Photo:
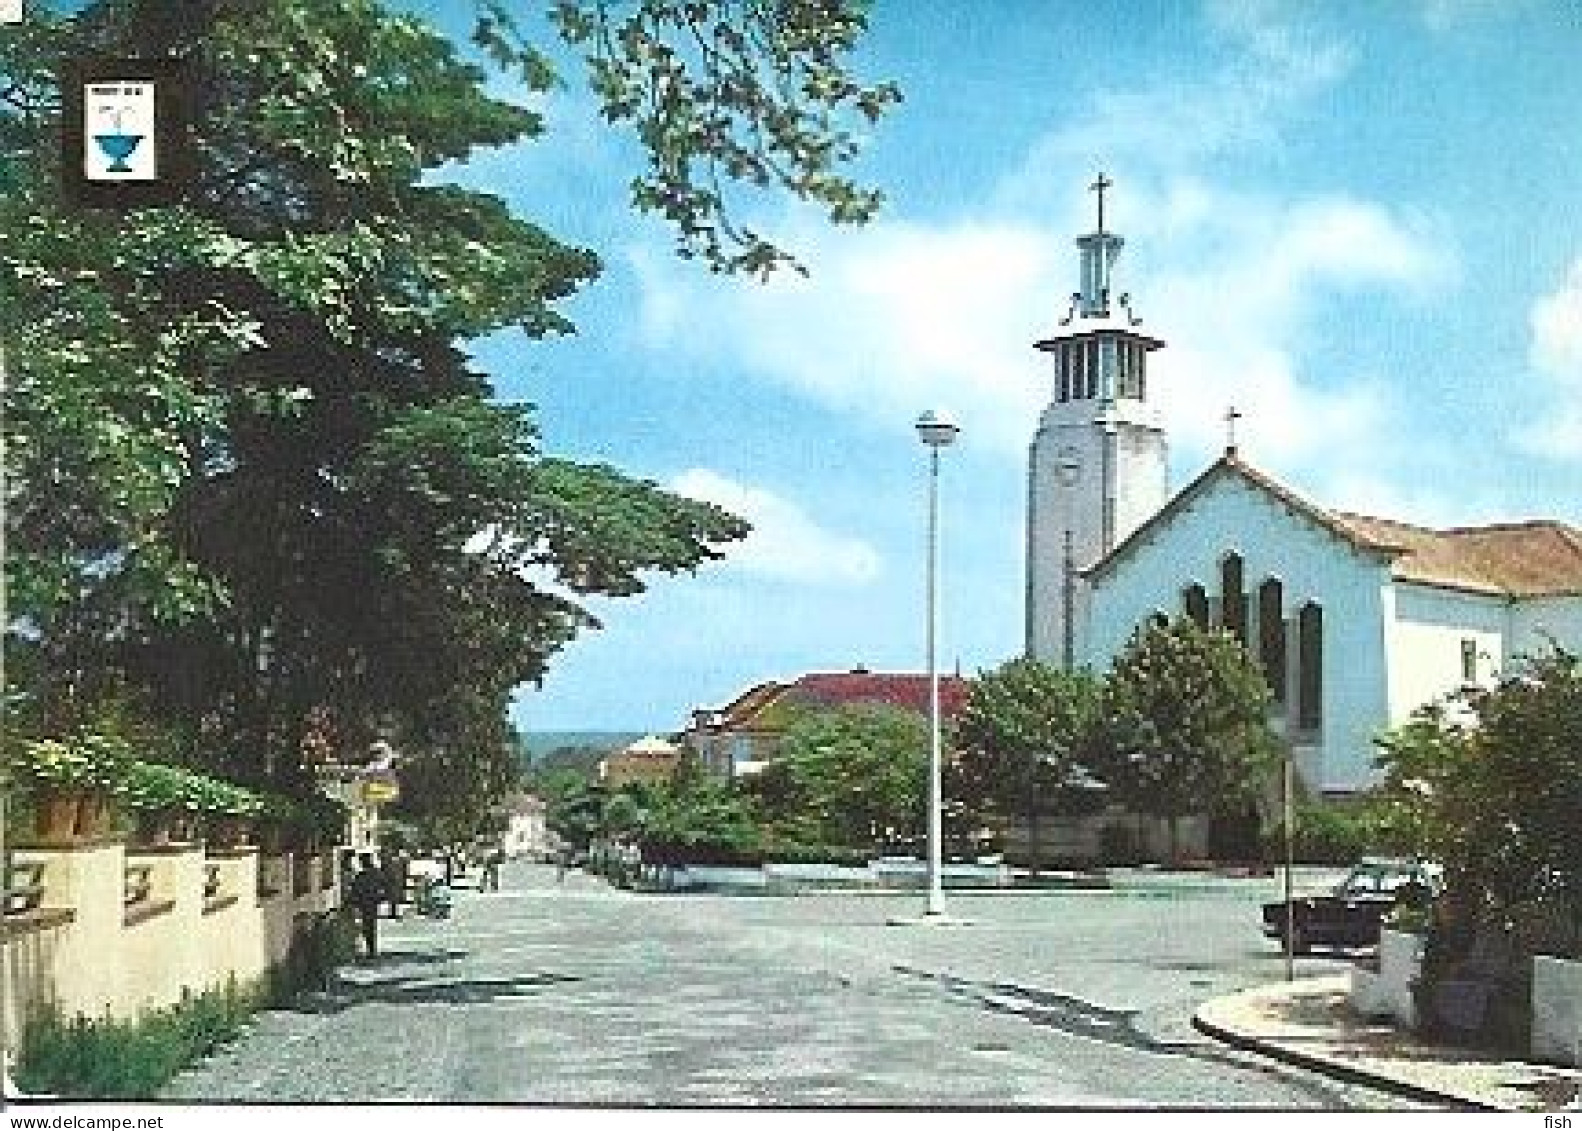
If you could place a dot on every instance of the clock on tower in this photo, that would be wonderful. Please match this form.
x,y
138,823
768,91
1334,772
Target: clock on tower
x,y
1097,467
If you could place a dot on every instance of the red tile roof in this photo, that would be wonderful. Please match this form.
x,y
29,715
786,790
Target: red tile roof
x,y
906,690
1541,558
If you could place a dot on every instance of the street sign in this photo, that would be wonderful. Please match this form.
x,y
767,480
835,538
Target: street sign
x,y
124,132
379,792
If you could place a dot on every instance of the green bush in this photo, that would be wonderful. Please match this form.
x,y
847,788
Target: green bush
x,y
816,854
110,1059
328,942
1328,834
1119,846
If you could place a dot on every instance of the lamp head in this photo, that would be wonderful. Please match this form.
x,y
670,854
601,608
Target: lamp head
x,y
937,429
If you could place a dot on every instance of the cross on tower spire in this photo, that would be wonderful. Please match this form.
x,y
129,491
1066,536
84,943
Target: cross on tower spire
x,y
1100,186
1232,414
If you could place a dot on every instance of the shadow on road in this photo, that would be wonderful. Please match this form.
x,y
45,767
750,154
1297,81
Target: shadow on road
x,y
408,957
420,990
1117,1027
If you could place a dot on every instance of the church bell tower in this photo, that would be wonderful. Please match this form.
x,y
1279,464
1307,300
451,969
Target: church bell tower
x,y
1098,462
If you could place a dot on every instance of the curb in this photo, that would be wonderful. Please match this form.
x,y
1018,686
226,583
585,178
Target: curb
x,y
1329,1066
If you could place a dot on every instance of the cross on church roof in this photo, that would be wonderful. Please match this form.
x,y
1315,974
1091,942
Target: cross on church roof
x,y
1100,186
1231,416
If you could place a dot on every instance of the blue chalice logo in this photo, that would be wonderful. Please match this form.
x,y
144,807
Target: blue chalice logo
x,y
118,147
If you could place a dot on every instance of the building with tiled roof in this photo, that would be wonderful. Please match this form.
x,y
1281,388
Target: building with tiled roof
x,y
1357,621
742,736
650,760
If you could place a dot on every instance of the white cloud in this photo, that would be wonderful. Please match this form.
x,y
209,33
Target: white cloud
x,y
1555,353
904,316
1275,63
1447,15
894,319
786,543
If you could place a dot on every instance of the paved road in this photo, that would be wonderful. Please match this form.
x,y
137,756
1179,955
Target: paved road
x,y
579,994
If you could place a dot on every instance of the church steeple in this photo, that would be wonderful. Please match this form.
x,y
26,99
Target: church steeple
x,y
1099,355
1097,467
1099,251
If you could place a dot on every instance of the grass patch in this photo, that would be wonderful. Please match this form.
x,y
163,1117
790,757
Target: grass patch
x,y
106,1058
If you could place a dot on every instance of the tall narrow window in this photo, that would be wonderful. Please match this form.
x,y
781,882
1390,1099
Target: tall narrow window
x,y
1310,667
1079,371
1469,661
1271,636
1063,369
1233,600
1091,348
1194,600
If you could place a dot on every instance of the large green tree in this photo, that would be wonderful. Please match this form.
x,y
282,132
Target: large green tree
x,y
854,777
1184,724
251,476
1023,739
1490,784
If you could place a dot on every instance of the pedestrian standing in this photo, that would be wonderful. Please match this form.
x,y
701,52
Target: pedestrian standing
x,y
491,870
366,893
397,867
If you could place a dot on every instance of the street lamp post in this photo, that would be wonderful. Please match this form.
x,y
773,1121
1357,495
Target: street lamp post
x,y
937,430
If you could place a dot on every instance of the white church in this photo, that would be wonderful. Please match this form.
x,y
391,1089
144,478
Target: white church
x,y
1356,621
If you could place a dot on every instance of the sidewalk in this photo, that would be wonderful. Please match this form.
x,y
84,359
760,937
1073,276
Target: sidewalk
x,y
1310,1024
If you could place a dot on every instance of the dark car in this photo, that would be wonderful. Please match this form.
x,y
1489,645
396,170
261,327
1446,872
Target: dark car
x,y
1350,914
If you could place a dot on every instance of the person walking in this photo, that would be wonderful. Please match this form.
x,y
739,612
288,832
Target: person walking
x,y
367,891
491,870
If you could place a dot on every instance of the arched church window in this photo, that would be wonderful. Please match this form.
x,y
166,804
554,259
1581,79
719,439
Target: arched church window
x,y
1194,601
1271,636
1233,598
1091,388
1310,667
1078,360
1063,367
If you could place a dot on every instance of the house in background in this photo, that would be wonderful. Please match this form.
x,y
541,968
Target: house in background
x,y
527,828
741,737
649,761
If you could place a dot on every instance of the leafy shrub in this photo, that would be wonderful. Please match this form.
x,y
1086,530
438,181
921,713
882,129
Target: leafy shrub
x,y
86,760
815,854
1119,846
1328,834
110,1059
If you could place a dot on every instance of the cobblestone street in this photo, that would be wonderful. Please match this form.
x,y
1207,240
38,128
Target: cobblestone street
x,y
579,994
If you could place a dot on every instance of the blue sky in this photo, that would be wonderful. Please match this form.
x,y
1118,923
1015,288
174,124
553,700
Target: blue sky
x,y
1357,221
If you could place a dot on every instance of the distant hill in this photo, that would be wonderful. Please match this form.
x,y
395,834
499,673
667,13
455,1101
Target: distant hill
x,y
540,744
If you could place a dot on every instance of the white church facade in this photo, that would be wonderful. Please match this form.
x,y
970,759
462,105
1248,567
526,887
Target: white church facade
x,y
1356,621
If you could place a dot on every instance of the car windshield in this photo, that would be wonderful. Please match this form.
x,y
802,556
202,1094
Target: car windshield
x,y
1377,880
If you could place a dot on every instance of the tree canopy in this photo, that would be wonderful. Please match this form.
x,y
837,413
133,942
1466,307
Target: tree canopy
x,y
253,482
852,777
1023,739
1184,723
1490,784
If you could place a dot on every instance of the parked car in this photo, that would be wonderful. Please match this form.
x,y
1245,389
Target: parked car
x,y
1350,914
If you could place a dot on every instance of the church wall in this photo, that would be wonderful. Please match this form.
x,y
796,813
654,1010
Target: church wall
x,y
1426,642
1312,565
1071,462
1535,622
